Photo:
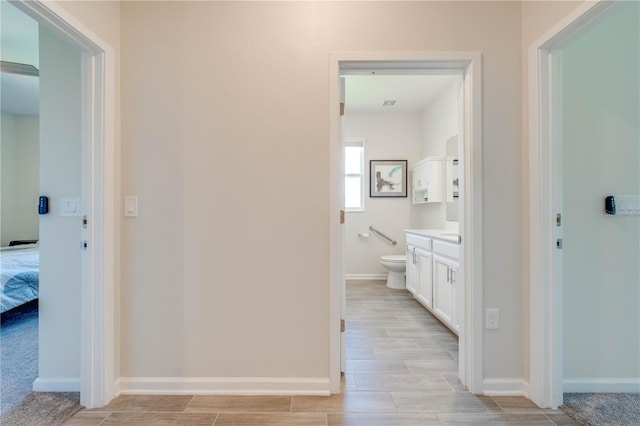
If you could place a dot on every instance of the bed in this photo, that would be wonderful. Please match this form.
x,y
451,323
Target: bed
x,y
19,275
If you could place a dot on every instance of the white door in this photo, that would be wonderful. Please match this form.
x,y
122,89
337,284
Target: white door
x,y
343,274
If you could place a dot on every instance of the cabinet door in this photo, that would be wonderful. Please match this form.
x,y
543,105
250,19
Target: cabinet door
x,y
412,271
425,278
442,289
435,179
420,177
454,284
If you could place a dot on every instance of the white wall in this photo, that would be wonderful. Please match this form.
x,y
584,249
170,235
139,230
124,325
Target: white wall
x,y
59,336
203,127
495,29
20,178
440,121
601,124
388,136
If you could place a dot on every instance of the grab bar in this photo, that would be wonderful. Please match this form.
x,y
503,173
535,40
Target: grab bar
x,y
394,242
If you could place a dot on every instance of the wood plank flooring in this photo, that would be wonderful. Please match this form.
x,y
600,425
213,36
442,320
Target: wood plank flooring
x,y
401,370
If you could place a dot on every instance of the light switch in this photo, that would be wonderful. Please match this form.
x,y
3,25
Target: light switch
x,y
131,206
70,206
493,319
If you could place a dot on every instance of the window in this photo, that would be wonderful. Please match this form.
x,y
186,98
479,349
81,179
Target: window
x,y
354,175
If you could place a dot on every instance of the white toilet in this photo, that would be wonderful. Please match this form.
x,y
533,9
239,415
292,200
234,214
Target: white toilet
x,y
396,264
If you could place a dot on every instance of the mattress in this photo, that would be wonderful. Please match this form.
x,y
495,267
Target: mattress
x,y
19,275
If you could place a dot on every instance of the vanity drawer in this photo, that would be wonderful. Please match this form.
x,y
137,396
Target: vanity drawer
x,y
419,241
446,249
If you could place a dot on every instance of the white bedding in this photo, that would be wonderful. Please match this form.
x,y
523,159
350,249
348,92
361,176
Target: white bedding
x,y
19,275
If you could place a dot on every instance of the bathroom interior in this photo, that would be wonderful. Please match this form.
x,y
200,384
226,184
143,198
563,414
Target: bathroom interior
x,y
409,240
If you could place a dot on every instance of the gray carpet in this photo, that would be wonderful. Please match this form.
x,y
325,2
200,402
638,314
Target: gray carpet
x,y
603,409
44,409
19,368
18,355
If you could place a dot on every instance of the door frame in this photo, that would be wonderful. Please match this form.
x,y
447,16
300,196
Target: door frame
x,y
545,198
97,317
471,355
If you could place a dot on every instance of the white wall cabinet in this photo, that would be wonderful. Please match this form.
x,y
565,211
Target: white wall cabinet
x,y
428,180
432,270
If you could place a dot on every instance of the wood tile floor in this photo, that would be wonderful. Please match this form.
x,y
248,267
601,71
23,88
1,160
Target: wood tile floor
x,y
401,370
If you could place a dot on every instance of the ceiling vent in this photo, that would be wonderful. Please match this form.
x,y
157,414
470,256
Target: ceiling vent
x,y
389,103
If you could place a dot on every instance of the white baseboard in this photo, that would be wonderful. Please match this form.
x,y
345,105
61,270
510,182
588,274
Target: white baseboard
x,y
59,384
363,277
222,386
505,387
631,384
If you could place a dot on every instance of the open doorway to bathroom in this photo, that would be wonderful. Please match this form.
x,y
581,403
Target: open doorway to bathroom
x,y
466,302
401,172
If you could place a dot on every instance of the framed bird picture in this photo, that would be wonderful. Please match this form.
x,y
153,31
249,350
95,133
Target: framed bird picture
x,y
388,178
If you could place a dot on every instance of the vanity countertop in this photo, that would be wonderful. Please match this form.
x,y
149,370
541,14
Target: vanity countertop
x,y
440,234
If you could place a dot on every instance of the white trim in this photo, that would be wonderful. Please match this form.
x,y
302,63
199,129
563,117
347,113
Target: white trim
x,y
506,387
62,384
98,160
471,353
545,289
605,385
222,386
364,277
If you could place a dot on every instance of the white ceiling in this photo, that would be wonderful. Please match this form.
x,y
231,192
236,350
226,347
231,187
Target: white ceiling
x,y
19,43
412,93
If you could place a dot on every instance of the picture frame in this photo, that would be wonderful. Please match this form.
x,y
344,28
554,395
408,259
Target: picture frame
x,y
388,178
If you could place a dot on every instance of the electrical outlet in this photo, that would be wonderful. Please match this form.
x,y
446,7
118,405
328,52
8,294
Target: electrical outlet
x,y
492,321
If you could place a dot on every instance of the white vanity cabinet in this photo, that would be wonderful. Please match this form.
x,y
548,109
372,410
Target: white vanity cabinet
x,y
428,180
432,271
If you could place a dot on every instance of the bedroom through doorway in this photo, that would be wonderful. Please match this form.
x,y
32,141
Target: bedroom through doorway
x,y
20,187
41,208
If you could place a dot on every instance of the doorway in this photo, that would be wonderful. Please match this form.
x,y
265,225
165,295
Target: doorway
x,y
403,119
469,298
97,232
19,255
584,260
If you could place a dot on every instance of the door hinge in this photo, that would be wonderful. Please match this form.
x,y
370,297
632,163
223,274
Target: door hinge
x,y
343,326
341,217
559,219
84,221
559,243
341,109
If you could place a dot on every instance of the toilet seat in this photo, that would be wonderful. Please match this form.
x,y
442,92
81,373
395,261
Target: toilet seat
x,y
394,258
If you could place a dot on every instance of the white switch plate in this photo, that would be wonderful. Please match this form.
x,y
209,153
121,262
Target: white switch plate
x,y
70,206
131,206
627,205
492,321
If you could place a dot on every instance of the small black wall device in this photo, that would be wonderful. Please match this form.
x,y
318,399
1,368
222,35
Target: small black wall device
x,y
43,205
610,205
